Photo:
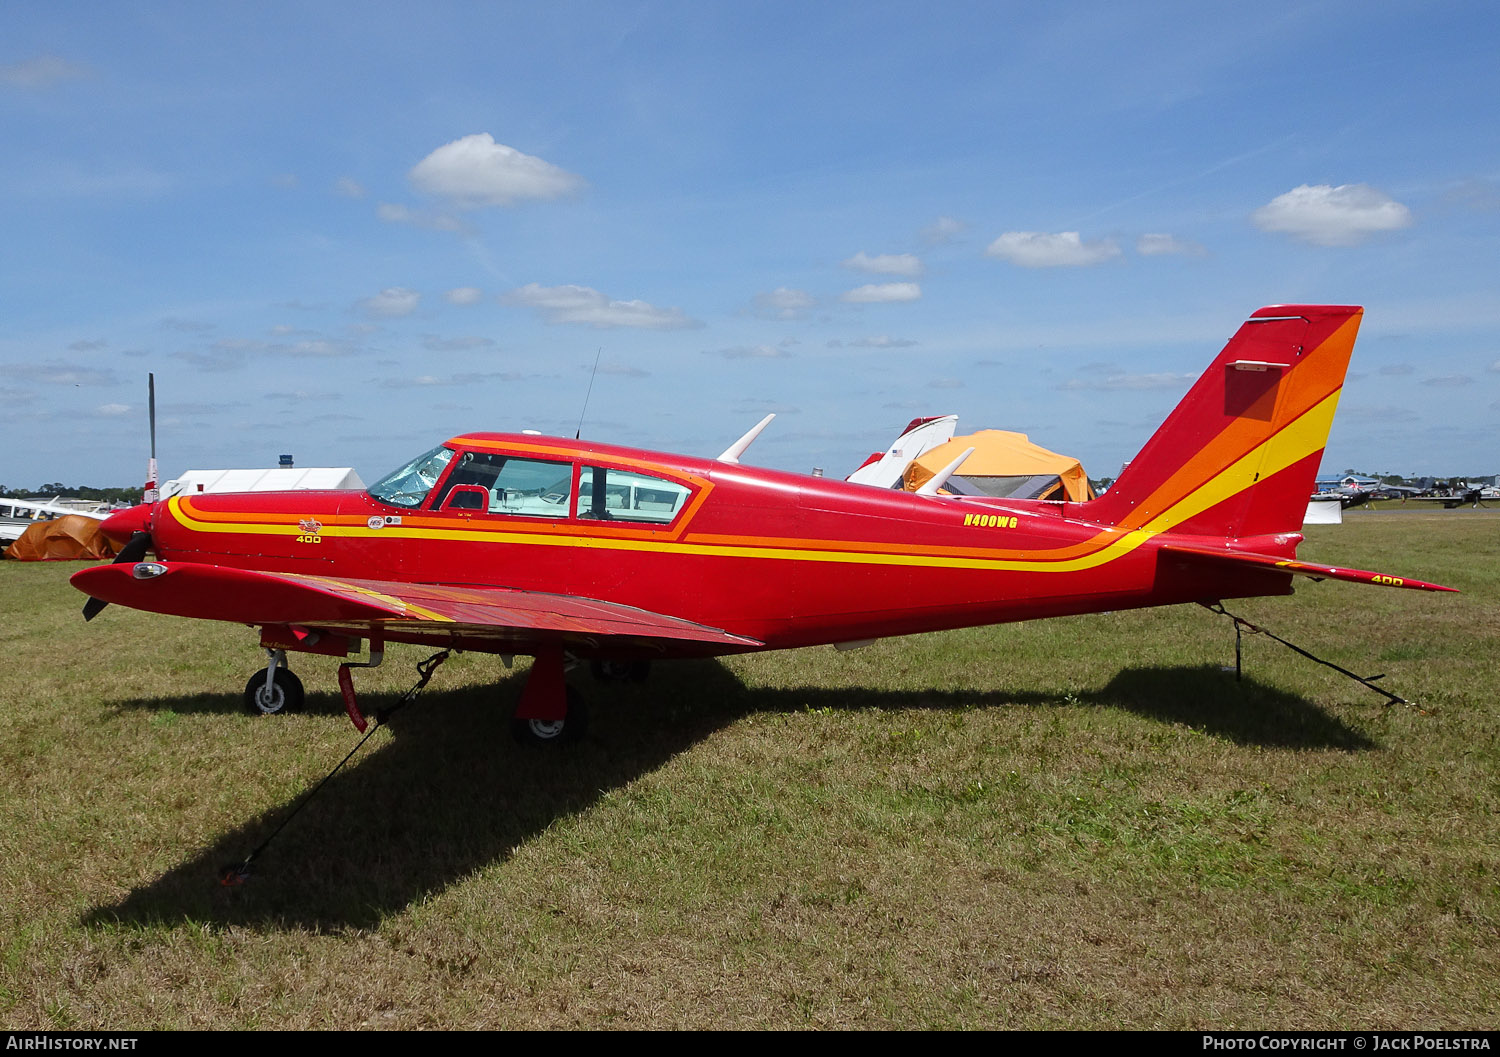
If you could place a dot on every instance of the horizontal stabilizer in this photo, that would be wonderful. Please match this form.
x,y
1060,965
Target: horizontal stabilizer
x,y
1243,560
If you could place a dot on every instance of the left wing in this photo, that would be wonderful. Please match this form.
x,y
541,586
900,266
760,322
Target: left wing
x,y
362,607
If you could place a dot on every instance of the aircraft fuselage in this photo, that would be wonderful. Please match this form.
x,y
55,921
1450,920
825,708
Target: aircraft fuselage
x,y
784,559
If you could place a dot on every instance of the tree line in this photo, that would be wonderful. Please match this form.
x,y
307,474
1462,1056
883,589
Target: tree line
x,y
76,491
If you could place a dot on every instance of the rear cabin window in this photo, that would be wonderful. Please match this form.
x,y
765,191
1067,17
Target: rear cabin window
x,y
529,487
606,494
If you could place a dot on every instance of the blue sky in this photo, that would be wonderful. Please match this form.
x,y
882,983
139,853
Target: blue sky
x,y
348,231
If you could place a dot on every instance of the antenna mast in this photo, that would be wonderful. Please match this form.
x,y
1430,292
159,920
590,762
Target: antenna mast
x,y
588,394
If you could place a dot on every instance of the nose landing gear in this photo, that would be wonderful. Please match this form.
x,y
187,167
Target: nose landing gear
x,y
275,690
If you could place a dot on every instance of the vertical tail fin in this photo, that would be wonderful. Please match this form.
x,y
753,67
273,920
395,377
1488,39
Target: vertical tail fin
x,y
1239,455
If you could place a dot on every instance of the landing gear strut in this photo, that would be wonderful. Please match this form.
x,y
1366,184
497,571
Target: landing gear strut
x,y
275,690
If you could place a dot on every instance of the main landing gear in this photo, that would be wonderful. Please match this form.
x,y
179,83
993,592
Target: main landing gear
x,y
275,690
570,728
550,711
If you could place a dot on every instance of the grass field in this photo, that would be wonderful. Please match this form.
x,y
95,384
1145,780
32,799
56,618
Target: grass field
x,y
1071,823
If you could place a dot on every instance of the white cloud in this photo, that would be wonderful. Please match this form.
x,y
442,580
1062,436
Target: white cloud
x,y
581,304
466,343
62,374
1385,414
393,213
749,352
349,187
765,407
113,409
221,356
186,326
1332,216
784,303
1039,249
287,395
476,171
466,379
624,370
316,347
42,72
1160,245
1477,194
464,295
908,264
941,230
874,293
1453,381
391,303
882,341
1117,382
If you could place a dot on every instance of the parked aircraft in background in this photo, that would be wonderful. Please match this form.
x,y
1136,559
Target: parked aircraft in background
x,y
17,515
1459,494
565,550
921,435
1348,495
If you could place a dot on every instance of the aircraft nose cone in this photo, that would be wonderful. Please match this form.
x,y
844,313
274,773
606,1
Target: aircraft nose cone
x,y
123,524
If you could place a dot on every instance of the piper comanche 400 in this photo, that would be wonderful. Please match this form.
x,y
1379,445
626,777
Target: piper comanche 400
x,y
566,551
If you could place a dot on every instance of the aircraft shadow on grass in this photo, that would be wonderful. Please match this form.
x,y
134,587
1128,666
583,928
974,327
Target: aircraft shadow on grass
x,y
450,792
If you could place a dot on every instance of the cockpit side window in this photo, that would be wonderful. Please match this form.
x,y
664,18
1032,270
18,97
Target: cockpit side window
x,y
529,487
606,494
409,485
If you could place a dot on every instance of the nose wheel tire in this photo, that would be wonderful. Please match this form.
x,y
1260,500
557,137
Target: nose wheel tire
x,y
283,695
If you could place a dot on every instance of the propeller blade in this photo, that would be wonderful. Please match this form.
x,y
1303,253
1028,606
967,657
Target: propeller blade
x,y
132,552
135,549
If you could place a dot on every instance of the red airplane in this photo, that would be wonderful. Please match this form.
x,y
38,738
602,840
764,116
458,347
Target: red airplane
x,y
563,550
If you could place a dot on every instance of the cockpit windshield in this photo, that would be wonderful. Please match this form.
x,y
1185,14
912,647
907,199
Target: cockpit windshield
x,y
409,485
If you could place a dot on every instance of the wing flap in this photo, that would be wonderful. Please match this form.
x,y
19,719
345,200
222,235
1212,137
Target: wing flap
x,y
216,592
1245,559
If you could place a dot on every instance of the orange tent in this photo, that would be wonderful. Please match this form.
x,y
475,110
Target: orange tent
x,y
71,536
1004,464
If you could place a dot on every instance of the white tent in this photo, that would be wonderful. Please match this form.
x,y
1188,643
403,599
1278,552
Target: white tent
x,y
196,482
1324,512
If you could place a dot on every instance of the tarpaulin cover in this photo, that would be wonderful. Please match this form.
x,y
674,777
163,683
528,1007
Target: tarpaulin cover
x,y
68,538
1004,464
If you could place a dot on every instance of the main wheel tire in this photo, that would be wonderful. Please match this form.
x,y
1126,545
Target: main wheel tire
x,y
284,694
571,728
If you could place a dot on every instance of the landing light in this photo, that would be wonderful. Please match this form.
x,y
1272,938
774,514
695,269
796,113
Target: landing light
x,y
147,570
